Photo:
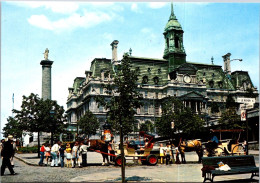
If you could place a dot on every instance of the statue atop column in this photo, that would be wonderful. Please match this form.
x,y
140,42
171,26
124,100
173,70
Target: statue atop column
x,y
46,54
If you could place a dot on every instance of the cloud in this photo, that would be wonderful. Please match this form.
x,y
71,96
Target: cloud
x,y
156,5
108,36
88,19
135,8
56,7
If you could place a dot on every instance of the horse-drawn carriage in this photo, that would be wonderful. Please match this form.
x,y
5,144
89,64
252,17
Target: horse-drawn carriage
x,y
224,147
141,150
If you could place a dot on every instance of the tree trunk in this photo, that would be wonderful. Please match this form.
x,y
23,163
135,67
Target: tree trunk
x,y
38,144
122,153
51,139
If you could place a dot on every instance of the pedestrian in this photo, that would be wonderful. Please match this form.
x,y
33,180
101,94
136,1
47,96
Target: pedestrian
x,y
7,153
2,144
54,154
244,145
14,150
47,153
42,151
168,153
79,155
111,149
68,155
74,153
61,153
161,152
83,151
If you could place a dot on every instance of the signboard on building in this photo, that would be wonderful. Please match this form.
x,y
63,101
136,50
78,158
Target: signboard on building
x,y
246,106
243,115
245,100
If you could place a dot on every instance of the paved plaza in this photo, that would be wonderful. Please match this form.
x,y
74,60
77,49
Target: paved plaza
x,y
28,171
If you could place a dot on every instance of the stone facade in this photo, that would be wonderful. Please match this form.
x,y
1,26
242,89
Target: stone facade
x,y
197,85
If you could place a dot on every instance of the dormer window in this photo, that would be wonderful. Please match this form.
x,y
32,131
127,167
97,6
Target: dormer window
x,y
145,80
211,84
156,80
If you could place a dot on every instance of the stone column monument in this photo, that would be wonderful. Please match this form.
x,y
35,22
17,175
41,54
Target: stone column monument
x,y
46,76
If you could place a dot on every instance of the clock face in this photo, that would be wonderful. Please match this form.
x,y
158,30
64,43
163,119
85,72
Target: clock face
x,y
187,79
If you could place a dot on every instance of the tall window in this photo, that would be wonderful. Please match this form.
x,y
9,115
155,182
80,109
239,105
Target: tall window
x,y
176,42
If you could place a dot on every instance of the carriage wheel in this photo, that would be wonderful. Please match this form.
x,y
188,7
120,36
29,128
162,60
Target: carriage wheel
x,y
152,159
118,161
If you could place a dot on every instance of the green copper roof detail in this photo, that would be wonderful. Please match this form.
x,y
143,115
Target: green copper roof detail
x,y
172,22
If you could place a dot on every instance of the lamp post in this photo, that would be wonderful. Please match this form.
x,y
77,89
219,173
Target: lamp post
x,y
52,113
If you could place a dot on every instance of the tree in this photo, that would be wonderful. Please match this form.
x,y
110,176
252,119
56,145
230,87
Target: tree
x,y
121,106
230,102
214,107
185,120
231,120
88,124
35,116
12,127
147,127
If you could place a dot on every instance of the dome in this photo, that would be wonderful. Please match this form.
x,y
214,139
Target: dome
x,y
173,24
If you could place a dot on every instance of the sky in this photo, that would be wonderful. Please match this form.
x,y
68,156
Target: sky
x,y
77,32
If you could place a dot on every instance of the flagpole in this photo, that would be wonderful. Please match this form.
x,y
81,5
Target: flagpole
x,y
13,105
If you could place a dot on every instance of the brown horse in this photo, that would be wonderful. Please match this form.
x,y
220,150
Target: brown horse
x,y
191,145
99,146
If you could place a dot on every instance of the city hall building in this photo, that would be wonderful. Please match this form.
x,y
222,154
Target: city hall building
x,y
197,85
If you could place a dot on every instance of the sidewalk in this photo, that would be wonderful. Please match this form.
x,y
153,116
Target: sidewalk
x,y
136,173
33,160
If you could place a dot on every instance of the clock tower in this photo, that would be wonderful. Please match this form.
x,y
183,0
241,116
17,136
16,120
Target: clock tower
x,y
174,51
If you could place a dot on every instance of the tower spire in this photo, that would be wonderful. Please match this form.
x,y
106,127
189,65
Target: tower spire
x,y
172,16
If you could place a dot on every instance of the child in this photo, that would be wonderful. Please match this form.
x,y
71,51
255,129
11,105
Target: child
x,y
68,155
161,153
47,153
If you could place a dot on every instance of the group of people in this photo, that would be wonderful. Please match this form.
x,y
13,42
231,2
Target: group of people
x,y
69,155
8,148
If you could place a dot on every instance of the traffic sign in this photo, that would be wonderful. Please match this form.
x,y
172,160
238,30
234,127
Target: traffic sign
x,y
246,100
243,115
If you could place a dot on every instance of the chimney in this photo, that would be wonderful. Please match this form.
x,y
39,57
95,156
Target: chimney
x,y
114,50
226,59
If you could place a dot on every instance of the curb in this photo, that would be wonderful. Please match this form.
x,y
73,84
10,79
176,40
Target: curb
x,y
28,163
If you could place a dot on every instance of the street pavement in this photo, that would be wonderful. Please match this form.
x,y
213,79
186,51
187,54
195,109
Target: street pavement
x,y
27,169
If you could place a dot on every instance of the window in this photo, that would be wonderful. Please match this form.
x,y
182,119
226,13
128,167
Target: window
x,y
145,80
159,71
176,42
156,80
167,40
149,69
146,109
211,84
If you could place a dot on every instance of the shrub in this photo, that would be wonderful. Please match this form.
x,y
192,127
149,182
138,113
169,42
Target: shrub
x,y
33,149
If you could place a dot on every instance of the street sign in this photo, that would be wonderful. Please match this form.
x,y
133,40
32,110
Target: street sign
x,y
246,100
243,115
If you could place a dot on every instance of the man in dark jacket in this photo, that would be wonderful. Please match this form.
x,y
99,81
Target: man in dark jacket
x,y
7,153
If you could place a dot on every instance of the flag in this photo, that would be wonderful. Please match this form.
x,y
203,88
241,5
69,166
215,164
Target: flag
x,y
13,98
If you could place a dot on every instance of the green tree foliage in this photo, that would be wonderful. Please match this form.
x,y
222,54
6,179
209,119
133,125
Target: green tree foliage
x,y
230,102
12,127
121,106
147,127
125,97
230,120
214,107
35,116
88,124
185,120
